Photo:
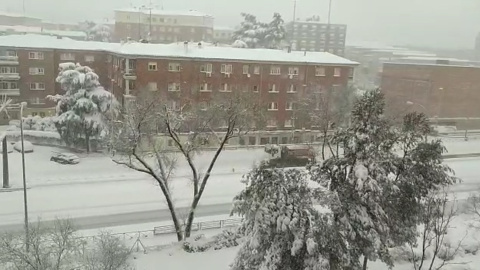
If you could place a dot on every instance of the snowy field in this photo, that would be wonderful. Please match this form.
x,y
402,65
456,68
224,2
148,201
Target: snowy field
x,y
174,258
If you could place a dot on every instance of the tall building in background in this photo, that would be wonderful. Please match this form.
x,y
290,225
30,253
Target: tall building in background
x,y
163,26
316,36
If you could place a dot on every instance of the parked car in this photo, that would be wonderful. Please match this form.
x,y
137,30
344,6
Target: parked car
x,y
65,158
290,155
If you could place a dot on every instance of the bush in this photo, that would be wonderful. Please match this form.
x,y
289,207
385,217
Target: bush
x,y
226,239
106,252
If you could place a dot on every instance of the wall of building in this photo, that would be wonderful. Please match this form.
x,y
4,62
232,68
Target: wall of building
x,y
315,36
441,91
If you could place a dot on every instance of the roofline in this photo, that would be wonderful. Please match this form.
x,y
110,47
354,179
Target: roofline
x,y
430,65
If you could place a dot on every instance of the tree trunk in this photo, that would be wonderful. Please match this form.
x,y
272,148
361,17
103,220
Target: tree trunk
x,y
176,222
365,262
87,142
191,216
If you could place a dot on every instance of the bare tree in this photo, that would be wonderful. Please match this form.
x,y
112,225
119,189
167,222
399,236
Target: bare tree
x,y
190,129
107,253
49,248
324,110
437,216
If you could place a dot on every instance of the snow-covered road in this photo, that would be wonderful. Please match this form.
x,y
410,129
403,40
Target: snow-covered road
x,y
100,200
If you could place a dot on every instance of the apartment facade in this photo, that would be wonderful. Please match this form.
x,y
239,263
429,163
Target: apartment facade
x,y
447,93
317,36
189,72
161,26
223,35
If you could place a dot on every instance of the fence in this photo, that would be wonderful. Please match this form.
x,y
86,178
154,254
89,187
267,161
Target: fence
x,y
141,240
216,224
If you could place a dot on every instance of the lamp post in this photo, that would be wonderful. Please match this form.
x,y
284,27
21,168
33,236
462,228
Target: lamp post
x,y
20,107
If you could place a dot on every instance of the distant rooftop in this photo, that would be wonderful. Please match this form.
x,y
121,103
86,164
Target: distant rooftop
x,y
316,22
167,12
18,15
176,50
38,30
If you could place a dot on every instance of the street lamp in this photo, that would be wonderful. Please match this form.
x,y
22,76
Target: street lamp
x,y
5,107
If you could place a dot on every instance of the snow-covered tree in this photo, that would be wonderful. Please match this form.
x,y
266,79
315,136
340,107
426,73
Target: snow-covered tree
x,y
276,32
280,222
376,193
190,128
83,109
251,31
99,32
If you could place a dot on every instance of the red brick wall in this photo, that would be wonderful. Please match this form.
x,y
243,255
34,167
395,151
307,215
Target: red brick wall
x,y
444,91
25,78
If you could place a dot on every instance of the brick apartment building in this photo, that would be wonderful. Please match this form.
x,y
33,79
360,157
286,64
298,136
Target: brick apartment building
x,y
180,72
163,26
317,36
448,93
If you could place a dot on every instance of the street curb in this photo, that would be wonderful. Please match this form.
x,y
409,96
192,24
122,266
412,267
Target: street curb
x,y
10,189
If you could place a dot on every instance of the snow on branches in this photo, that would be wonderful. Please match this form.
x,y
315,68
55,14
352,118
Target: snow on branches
x,y
83,109
254,34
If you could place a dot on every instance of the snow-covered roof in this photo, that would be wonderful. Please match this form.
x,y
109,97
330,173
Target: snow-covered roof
x,y
194,13
175,50
17,15
39,30
223,28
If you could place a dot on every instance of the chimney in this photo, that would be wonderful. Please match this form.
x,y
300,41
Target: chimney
x,y
289,49
185,46
305,53
199,45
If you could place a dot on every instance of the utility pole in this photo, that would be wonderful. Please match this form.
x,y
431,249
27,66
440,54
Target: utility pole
x,y
329,11
294,10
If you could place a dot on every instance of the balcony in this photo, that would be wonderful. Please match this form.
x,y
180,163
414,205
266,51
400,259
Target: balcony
x,y
8,60
10,76
129,76
10,92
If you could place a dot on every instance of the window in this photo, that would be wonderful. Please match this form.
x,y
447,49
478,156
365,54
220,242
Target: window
x,y
131,85
227,69
205,87
36,71
132,64
273,106
89,58
255,88
246,69
8,53
37,101
174,67
272,123
289,106
173,87
226,87
337,87
272,88
37,86
176,30
256,70
67,57
337,72
275,70
293,71
206,68
292,89
42,114
36,55
152,66
319,71
8,70
8,85
152,86
288,123
175,105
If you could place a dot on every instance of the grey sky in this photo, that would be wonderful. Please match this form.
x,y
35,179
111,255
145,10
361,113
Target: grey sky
x,y
439,23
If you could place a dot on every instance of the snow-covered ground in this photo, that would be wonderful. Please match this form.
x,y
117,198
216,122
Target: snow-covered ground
x,y
174,258
139,193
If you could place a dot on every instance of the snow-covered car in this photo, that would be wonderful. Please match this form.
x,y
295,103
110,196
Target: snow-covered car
x,y
65,158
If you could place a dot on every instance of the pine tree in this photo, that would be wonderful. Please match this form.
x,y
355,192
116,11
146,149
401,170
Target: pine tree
x,y
377,192
82,110
251,31
276,32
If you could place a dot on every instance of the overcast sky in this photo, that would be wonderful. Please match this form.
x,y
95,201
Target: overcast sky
x,y
438,23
